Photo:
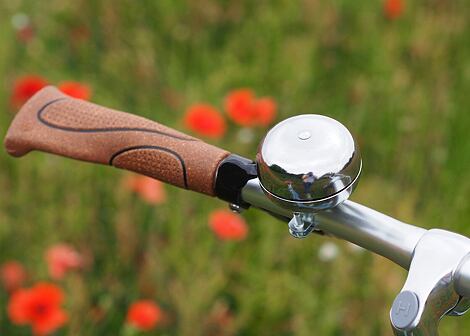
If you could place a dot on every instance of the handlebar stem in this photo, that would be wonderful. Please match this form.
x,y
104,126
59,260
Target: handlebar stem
x,y
429,291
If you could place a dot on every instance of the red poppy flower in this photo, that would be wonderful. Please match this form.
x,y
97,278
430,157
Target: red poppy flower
x,y
12,275
22,24
244,109
144,315
264,110
62,258
238,105
205,120
38,306
25,34
227,225
25,87
393,9
150,190
75,90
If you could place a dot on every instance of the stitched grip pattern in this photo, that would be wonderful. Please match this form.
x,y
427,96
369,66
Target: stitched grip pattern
x,y
53,122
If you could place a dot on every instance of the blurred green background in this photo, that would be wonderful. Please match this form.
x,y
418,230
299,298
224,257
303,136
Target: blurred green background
x,y
402,86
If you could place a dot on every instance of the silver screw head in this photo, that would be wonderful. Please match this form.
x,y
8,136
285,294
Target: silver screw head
x,y
304,135
235,207
301,224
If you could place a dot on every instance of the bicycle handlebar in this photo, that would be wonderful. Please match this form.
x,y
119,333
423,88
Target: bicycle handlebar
x,y
438,261
364,227
56,123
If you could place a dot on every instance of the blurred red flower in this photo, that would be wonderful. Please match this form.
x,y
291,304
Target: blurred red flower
x,y
12,275
75,90
22,24
265,110
144,315
227,225
238,105
393,9
62,258
244,109
205,120
150,190
25,87
25,34
38,306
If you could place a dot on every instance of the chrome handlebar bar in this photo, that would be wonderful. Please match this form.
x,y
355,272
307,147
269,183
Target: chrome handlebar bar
x,y
438,261
353,222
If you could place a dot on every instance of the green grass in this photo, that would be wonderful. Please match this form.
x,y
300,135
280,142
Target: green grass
x,y
401,87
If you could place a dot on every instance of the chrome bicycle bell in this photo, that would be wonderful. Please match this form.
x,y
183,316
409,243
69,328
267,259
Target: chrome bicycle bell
x,y
308,163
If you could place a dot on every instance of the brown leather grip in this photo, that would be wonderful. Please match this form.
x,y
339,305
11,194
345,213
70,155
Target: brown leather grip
x,y
53,122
